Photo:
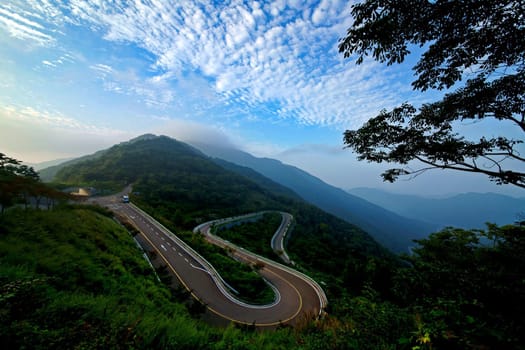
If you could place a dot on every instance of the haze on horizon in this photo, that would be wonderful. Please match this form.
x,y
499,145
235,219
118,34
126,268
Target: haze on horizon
x,y
264,77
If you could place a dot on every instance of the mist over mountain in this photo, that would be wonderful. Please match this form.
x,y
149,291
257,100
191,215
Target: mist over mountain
x,y
48,164
392,230
467,210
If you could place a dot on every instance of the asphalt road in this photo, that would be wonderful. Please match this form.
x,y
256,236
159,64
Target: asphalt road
x,y
298,296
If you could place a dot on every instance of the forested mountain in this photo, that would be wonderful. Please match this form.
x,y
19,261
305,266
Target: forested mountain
x,y
390,229
182,187
47,174
467,210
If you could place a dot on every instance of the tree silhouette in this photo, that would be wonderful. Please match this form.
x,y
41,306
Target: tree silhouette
x,y
21,183
480,42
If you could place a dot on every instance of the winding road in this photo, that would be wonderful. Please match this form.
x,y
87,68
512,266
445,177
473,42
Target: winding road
x,y
298,297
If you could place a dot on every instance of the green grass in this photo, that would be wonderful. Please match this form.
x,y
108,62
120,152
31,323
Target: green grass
x,y
73,278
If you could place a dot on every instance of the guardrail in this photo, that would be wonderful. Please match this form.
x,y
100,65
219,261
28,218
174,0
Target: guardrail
x,y
320,292
217,278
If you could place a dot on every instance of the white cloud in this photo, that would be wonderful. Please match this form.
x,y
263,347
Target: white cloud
x,y
22,20
22,28
279,56
54,119
47,63
34,136
257,53
102,68
194,132
154,92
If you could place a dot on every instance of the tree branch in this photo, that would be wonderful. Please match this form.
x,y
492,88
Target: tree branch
x,y
502,175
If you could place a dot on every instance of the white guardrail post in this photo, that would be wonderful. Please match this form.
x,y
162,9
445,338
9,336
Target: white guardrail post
x,y
320,292
219,281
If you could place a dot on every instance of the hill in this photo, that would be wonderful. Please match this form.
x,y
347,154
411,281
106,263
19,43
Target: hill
x,y
48,173
72,278
181,187
163,170
390,229
467,210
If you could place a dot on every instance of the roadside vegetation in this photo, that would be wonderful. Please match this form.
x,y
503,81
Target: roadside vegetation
x,y
72,278
248,284
20,185
253,236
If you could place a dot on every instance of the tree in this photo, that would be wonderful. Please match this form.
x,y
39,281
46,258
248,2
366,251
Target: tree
x,y
480,42
468,286
21,181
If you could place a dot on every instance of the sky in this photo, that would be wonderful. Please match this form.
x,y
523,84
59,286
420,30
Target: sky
x,y
77,76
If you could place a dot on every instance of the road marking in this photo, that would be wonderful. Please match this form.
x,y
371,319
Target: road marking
x,y
278,275
186,259
163,247
200,268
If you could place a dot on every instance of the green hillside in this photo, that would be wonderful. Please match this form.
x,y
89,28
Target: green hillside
x,y
392,231
72,278
182,188
452,293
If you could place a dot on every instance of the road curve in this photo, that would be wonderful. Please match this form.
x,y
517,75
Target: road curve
x,y
277,241
298,296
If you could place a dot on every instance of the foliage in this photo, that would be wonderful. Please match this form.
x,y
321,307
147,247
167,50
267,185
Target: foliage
x,y
172,178
468,287
72,278
367,323
339,255
481,41
21,184
249,285
181,188
253,236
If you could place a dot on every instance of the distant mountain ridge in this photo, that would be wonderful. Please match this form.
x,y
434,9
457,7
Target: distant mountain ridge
x,y
391,230
467,210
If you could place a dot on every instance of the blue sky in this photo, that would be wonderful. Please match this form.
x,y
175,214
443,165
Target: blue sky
x,y
80,75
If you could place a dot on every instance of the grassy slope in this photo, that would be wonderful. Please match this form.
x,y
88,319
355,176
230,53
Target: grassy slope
x,y
73,278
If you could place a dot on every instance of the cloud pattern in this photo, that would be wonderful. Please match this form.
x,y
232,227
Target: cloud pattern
x,y
279,57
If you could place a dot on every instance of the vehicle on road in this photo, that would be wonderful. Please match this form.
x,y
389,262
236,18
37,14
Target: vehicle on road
x,y
125,199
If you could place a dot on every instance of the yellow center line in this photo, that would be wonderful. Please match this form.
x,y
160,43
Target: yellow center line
x,y
218,312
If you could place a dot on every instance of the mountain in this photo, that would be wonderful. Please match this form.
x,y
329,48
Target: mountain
x,y
467,210
181,187
165,170
391,230
47,174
